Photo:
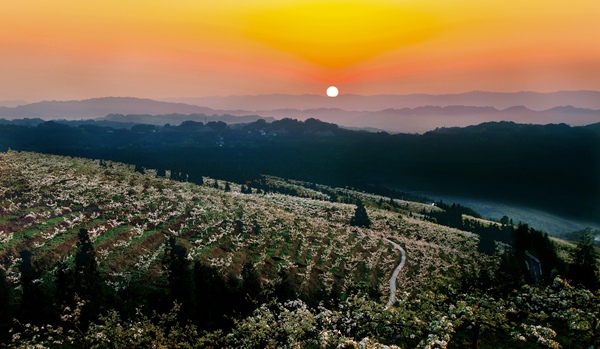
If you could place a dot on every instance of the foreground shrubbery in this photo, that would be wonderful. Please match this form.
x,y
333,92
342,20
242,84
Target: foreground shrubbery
x,y
535,317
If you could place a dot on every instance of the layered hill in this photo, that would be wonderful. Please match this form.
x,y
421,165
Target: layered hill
x,y
391,113
98,107
351,102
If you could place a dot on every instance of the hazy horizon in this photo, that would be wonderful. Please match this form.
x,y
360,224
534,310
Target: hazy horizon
x,y
391,113
320,95
65,50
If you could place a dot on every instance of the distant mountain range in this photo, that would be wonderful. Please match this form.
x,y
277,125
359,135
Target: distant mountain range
x,y
401,113
423,119
498,100
13,103
99,107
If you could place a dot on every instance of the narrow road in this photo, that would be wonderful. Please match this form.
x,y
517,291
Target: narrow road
x,y
533,265
395,274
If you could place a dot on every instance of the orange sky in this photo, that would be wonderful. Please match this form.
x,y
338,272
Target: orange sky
x,y
73,49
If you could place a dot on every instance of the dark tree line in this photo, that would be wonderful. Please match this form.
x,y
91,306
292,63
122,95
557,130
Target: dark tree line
x,y
554,161
584,270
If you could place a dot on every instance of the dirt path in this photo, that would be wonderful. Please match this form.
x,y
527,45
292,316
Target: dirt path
x,y
395,274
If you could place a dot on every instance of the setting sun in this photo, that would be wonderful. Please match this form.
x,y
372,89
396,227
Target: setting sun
x,y
332,91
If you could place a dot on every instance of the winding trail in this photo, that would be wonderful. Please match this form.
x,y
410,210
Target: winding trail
x,y
395,274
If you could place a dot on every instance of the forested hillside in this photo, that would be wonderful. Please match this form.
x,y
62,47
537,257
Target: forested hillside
x,y
551,167
96,254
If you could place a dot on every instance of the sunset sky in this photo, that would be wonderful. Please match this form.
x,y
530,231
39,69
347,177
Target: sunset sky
x,y
74,49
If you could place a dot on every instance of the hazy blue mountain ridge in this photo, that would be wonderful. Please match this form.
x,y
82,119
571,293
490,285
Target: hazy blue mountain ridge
x,y
397,117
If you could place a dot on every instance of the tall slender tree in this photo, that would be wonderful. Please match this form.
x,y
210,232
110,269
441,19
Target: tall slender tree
x,y
86,266
86,281
211,297
5,315
584,270
179,275
251,289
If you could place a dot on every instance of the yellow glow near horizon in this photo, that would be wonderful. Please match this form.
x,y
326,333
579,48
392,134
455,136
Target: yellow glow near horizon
x,y
339,33
155,48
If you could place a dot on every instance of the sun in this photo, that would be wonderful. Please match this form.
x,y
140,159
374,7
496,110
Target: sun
x,y
332,91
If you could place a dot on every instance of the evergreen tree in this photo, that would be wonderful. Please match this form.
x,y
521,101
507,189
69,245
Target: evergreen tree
x,y
211,297
584,270
34,307
5,315
179,276
86,267
227,187
63,285
139,168
251,289
285,288
86,281
28,296
360,219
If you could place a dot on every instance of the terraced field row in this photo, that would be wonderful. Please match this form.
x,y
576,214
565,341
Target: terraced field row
x,y
45,200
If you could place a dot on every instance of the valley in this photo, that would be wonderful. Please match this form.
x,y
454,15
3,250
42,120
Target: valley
x,y
539,219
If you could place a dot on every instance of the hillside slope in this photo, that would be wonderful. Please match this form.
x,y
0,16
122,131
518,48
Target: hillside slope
x,y
46,200
64,219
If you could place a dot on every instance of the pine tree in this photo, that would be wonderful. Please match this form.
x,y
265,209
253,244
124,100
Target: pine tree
x,y
361,218
5,315
86,267
584,270
34,307
63,284
285,288
87,281
179,276
139,168
29,293
251,289
211,296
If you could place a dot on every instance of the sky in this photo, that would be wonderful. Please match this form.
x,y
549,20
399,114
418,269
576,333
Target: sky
x,y
74,49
